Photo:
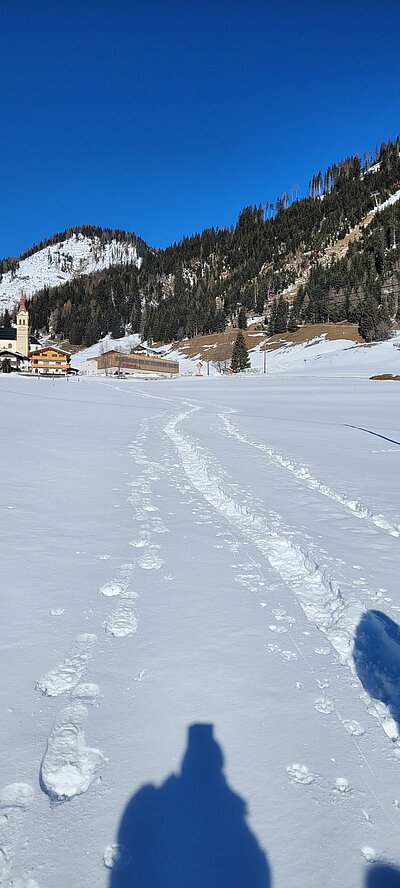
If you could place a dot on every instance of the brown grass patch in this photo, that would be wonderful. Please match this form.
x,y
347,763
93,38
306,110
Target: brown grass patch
x,y
309,332
218,346
386,376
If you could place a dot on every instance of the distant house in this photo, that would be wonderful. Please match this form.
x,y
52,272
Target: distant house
x,y
50,360
138,362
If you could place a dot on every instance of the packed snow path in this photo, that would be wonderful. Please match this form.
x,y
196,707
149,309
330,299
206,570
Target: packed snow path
x,y
219,552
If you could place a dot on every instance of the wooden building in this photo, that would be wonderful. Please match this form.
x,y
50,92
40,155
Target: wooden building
x,y
116,363
50,361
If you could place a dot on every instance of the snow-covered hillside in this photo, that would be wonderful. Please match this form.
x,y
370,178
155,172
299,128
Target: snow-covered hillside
x,y
58,263
315,357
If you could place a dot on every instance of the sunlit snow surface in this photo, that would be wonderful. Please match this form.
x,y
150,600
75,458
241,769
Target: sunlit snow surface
x,y
219,552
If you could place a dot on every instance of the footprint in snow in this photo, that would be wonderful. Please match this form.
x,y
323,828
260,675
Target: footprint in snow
x,y
121,623
69,767
24,883
87,693
298,773
116,857
353,727
279,629
342,786
65,676
285,655
150,561
368,853
323,705
112,589
15,799
282,617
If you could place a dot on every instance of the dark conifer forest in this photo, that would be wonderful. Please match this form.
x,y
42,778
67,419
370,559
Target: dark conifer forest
x,y
275,262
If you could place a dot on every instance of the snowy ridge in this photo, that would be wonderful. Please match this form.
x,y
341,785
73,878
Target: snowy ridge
x,y
59,263
318,594
304,474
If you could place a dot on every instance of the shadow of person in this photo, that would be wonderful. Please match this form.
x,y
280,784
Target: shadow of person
x,y
376,655
191,832
382,875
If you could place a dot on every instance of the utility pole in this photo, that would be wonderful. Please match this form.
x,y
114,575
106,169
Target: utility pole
x,y
265,360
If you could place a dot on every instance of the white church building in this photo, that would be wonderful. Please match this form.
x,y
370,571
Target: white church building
x,y
16,343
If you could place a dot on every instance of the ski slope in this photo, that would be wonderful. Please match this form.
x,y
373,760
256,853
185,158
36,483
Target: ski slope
x,y
200,648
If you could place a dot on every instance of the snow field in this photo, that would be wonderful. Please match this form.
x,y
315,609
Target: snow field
x,y
244,614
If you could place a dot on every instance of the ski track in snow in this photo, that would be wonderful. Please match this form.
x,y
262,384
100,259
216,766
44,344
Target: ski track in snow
x,y
303,474
336,616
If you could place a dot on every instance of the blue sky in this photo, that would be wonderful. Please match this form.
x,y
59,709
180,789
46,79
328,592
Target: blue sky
x,y
168,117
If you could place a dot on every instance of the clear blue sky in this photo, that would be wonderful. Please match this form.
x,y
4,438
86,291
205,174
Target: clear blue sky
x,y
168,116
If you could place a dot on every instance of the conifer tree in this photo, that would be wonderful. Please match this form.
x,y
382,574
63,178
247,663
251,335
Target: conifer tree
x,y
272,319
369,319
282,311
242,319
240,356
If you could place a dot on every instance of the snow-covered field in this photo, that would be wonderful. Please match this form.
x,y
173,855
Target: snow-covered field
x,y
183,554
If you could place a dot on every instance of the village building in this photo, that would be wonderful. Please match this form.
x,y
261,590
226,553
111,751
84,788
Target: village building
x,y
141,361
14,359
22,351
50,360
17,340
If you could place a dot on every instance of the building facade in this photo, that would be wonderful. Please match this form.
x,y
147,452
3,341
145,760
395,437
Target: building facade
x,y
115,363
50,361
18,339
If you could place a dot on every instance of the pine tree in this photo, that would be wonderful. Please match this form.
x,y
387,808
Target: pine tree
x,y
292,322
240,356
6,318
282,311
272,319
242,319
369,319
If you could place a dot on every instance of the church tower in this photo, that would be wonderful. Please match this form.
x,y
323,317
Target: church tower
x,y
22,328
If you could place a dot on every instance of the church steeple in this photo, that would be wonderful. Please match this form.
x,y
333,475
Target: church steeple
x,y
22,328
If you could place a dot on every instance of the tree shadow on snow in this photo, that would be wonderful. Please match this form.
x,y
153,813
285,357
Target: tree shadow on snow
x,y
382,875
377,659
191,832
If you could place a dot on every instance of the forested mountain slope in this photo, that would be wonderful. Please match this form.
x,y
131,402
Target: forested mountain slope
x,y
65,256
331,256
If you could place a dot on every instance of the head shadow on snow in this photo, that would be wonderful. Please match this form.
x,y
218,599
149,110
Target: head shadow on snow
x,y
383,875
192,830
376,655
